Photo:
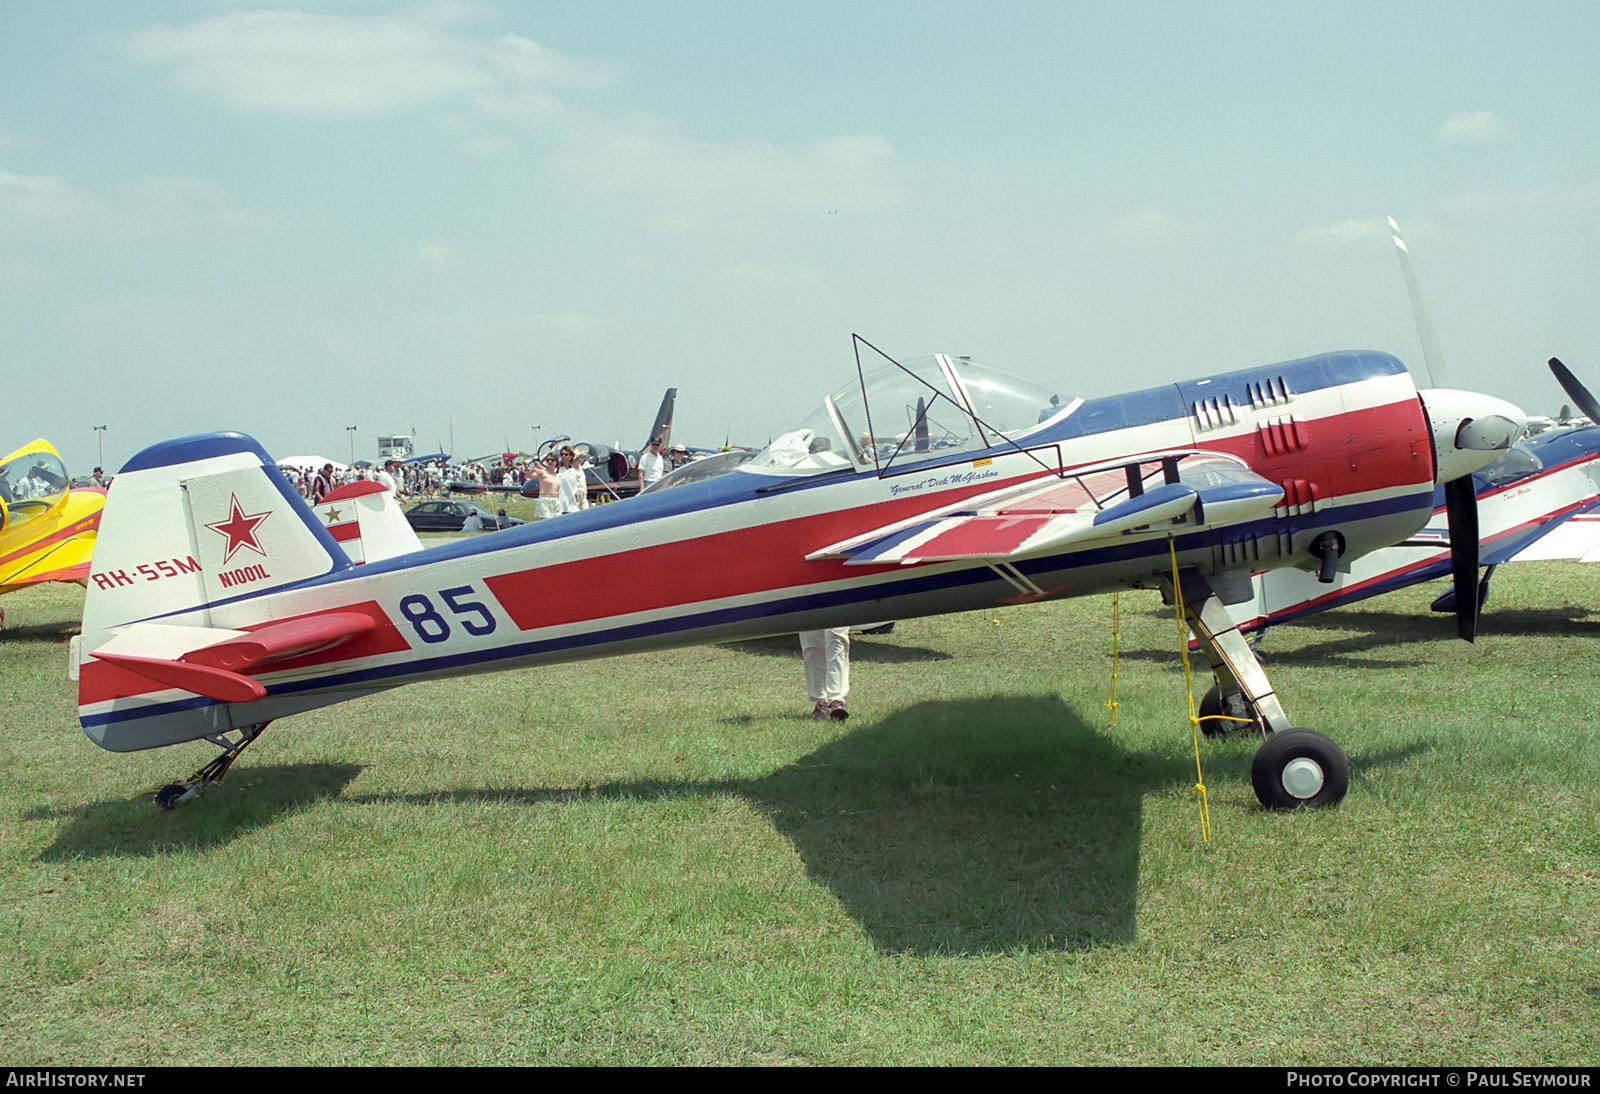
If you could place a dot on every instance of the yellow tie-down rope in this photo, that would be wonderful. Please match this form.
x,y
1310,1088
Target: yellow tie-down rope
x,y
1116,622
1188,693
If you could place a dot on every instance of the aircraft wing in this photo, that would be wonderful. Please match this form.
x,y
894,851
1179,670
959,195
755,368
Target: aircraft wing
x,y
1040,518
66,561
1577,538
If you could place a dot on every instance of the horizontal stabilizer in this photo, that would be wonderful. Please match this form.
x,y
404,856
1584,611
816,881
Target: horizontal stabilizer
x,y
280,641
166,654
213,683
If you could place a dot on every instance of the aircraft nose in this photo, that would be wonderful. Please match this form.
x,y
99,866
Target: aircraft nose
x,y
1470,429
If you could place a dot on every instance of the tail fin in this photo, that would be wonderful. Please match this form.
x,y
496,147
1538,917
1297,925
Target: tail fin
x,y
661,428
365,518
197,521
188,526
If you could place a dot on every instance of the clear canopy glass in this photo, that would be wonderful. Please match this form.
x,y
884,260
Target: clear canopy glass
x,y
905,413
32,485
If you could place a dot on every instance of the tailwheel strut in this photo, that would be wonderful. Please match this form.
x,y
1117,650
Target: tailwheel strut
x,y
172,794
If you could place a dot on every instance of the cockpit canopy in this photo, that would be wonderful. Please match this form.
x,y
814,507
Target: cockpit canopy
x,y
905,413
32,483
1518,462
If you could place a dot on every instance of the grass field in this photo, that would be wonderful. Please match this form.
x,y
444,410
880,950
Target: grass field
x,y
656,859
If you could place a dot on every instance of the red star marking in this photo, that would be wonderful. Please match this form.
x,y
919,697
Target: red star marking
x,y
240,530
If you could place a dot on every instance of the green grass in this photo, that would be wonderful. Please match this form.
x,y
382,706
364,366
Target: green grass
x,y
656,859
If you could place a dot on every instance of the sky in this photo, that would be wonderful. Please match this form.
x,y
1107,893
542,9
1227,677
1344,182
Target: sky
x,y
493,223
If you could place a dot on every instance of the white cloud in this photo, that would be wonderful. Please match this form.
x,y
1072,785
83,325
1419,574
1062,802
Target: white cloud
x,y
331,65
43,197
1349,230
690,181
438,255
1474,125
1156,225
196,201
305,63
571,327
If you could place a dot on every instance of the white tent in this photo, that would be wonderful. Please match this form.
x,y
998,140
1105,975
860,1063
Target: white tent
x,y
310,463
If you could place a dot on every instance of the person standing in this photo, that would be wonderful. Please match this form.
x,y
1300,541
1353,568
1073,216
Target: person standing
x,y
652,463
322,485
549,476
574,487
826,655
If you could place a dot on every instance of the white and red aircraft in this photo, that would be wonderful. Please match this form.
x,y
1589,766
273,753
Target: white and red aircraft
x,y
219,600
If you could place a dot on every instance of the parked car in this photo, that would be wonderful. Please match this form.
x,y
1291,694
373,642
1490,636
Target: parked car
x,y
452,516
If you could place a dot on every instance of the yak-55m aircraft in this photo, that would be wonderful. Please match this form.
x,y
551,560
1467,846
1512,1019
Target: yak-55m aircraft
x,y
47,527
219,601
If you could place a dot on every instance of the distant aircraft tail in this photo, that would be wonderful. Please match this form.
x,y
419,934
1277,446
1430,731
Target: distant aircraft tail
x,y
365,519
661,430
193,530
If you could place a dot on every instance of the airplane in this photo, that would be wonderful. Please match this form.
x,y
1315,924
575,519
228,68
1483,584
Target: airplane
x,y
219,601
1531,501
47,526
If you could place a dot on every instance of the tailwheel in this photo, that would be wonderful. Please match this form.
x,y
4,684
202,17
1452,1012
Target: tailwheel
x,y
173,794
1219,718
1299,767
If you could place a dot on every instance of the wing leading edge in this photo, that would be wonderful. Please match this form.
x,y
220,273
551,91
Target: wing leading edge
x,y
1041,518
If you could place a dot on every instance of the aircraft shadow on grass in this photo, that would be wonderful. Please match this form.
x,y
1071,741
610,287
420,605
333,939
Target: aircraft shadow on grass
x,y
956,827
971,826
259,797
951,827
55,633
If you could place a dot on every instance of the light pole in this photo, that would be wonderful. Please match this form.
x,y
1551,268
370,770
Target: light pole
x,y
100,435
350,429
536,429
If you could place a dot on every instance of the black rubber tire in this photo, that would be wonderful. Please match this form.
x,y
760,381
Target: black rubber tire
x,y
1299,767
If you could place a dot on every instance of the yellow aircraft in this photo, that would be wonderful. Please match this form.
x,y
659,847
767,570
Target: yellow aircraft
x,y
47,529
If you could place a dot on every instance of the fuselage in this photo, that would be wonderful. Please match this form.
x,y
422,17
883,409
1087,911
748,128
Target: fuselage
x,y
1344,434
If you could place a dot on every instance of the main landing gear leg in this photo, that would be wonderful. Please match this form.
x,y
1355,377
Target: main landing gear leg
x,y
1294,766
174,793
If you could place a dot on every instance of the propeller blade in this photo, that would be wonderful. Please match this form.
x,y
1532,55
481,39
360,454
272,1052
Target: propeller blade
x,y
1432,359
1576,391
1461,509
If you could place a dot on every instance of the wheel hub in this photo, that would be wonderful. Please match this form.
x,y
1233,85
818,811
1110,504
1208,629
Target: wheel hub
x,y
1303,777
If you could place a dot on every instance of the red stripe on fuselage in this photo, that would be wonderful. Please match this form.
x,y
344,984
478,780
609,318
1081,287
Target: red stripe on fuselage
x,y
1350,452
733,563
